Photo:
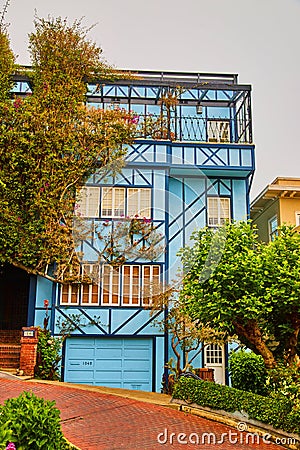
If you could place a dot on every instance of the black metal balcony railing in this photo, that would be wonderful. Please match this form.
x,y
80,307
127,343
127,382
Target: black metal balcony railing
x,y
194,128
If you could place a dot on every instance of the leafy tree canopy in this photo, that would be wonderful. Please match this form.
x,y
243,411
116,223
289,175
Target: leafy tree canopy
x,y
242,287
50,143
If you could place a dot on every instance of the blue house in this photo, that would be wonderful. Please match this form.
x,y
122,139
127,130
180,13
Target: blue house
x,y
191,165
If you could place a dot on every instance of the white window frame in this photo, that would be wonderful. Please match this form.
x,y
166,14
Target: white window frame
x,y
87,202
219,220
131,297
218,130
110,291
214,354
90,269
70,288
114,210
297,218
152,266
272,232
141,210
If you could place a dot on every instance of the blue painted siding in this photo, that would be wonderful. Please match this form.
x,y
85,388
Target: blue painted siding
x,y
182,174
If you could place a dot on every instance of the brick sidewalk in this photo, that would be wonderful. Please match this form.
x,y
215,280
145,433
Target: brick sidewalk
x,y
98,421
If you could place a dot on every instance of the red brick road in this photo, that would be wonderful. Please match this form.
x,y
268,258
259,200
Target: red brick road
x,y
97,421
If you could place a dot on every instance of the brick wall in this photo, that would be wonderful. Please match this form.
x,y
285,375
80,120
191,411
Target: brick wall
x,y
28,350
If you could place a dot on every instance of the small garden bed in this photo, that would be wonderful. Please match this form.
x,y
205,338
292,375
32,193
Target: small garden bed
x,y
277,411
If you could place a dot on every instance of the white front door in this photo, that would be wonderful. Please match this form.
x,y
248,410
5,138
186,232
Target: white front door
x,y
214,359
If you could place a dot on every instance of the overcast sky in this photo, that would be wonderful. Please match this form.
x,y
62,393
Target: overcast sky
x,y
257,39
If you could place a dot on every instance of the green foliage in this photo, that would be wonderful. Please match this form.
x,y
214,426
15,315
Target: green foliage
x,y
48,356
6,435
245,288
248,372
6,65
35,423
285,380
277,412
50,143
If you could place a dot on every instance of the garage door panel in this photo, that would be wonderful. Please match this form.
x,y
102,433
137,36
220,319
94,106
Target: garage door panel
x,y
77,377
138,353
108,353
111,362
130,365
105,375
75,353
136,377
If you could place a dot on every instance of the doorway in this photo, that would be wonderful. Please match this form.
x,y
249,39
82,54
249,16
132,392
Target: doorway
x,y
14,297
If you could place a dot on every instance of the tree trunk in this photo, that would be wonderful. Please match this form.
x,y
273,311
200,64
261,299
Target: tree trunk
x,y
251,332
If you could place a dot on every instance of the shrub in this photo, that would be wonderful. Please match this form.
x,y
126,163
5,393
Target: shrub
x,y
248,372
277,412
5,436
34,422
48,356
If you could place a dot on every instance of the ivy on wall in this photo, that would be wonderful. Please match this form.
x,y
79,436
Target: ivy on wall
x,y
50,143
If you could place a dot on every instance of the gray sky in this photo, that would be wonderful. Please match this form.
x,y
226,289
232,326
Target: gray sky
x,y
257,39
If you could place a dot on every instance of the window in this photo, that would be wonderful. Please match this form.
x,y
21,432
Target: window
x,y
139,202
113,202
213,354
121,202
151,283
218,131
297,218
88,201
69,294
131,285
110,285
218,211
273,225
90,291
86,292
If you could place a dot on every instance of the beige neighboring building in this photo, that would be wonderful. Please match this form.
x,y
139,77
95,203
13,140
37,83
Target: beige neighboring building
x,y
277,204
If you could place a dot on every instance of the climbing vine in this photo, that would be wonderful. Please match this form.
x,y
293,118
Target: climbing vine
x,y
50,143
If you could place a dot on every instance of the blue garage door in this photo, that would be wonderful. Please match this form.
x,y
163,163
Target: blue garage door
x,y
123,363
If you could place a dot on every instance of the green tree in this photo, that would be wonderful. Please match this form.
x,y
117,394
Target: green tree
x,y
50,143
253,292
188,337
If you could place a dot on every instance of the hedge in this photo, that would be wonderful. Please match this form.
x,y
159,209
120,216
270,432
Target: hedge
x,y
277,412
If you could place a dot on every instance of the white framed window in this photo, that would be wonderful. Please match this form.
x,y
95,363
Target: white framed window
x,y
150,283
69,294
139,202
213,354
218,131
90,291
131,285
110,285
218,211
273,227
297,218
88,201
113,202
